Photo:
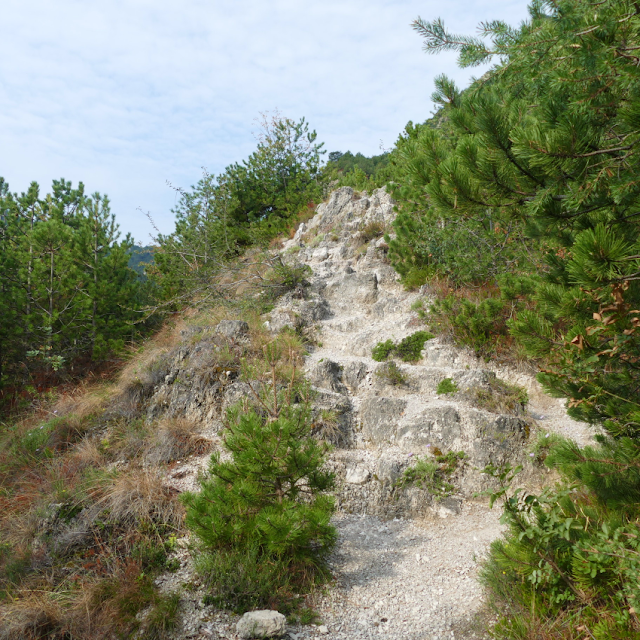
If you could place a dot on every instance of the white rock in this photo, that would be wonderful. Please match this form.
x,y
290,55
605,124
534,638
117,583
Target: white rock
x,y
323,629
321,254
357,475
261,624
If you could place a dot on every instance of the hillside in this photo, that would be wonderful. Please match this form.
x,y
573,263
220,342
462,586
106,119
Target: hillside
x,y
406,556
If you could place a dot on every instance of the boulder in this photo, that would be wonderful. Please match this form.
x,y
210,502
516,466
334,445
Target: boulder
x,y
437,426
261,624
327,374
357,474
353,374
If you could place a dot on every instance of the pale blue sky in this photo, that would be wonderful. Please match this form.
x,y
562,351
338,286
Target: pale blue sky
x,y
127,95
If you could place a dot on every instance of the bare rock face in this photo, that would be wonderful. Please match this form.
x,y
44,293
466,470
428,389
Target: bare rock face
x,y
380,418
261,624
233,329
328,374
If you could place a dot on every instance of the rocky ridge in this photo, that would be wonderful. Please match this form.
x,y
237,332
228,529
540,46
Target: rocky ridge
x,y
405,562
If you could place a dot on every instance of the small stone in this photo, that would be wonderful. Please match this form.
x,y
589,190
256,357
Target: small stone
x,y
323,629
261,624
357,475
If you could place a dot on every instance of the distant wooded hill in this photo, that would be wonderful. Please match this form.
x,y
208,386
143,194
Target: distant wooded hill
x,y
348,162
140,258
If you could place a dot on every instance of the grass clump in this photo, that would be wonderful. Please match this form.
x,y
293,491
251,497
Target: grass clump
x,y
446,386
500,397
391,374
408,349
371,231
434,473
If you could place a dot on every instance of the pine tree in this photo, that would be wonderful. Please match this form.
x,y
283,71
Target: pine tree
x,y
271,494
549,139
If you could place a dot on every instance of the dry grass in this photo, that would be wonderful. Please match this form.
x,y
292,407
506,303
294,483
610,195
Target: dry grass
x,y
175,439
499,397
371,231
139,495
145,367
35,615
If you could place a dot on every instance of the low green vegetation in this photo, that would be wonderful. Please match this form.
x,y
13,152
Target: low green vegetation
x,y
408,349
445,386
434,473
498,396
517,205
391,374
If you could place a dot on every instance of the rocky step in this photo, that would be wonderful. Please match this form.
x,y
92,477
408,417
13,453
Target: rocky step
x,y
350,374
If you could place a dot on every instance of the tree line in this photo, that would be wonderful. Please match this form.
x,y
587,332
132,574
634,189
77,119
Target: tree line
x,y
66,289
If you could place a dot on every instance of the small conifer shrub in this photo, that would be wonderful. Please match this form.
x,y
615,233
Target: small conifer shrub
x,y
382,350
265,511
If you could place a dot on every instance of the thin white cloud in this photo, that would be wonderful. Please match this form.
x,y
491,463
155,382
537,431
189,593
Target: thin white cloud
x,y
125,95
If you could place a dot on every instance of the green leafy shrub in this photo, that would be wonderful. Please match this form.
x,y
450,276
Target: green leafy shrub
x,y
267,506
446,386
408,349
382,350
568,562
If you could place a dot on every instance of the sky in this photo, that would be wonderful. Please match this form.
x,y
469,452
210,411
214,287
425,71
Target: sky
x,y
132,96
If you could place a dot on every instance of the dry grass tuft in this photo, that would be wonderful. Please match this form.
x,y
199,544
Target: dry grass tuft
x,y
175,439
139,495
34,616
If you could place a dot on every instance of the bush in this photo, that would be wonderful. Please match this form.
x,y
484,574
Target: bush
x,y
568,562
480,325
407,349
500,397
267,507
382,350
283,277
244,581
410,347
434,474
392,374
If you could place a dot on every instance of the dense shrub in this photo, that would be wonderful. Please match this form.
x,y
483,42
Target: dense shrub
x,y
266,507
408,349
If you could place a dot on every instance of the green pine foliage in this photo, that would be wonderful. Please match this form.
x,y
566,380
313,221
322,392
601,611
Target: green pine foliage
x,y
358,171
66,289
266,510
408,349
542,154
249,204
